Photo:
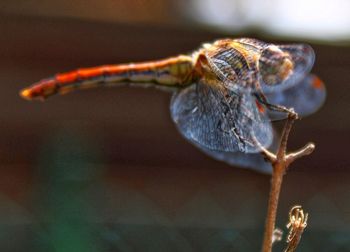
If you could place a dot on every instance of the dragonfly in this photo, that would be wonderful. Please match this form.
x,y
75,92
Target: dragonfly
x,y
227,93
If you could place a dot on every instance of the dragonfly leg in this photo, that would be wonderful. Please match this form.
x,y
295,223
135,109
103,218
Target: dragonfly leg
x,y
276,107
280,108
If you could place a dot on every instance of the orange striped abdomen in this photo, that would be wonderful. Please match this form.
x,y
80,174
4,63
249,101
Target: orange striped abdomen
x,y
176,71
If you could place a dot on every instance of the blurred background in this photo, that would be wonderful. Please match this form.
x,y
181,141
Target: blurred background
x,y
106,169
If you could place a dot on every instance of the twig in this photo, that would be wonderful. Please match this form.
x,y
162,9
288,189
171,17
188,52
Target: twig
x,y
280,162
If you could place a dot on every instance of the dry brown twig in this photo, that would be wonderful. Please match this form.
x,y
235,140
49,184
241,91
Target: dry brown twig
x,y
280,162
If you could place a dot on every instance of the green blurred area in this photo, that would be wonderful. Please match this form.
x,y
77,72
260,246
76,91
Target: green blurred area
x,y
64,177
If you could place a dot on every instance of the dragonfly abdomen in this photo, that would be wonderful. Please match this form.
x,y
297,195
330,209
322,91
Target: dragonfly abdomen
x,y
175,71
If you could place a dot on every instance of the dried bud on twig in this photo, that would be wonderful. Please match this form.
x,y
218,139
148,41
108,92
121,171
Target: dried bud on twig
x,y
277,235
296,225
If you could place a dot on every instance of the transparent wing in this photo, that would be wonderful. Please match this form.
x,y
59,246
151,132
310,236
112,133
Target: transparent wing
x,y
303,58
306,97
219,119
254,161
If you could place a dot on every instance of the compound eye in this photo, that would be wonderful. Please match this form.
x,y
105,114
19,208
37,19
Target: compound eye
x,y
275,66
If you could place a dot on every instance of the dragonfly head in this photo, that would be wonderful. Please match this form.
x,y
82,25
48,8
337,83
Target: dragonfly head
x,y
275,66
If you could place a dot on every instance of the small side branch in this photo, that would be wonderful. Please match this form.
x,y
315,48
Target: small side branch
x,y
306,150
271,157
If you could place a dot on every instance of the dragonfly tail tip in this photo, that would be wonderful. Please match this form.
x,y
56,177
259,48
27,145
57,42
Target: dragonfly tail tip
x,y
26,94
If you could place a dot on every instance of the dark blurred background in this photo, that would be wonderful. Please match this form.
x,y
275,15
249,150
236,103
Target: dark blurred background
x,y
106,169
